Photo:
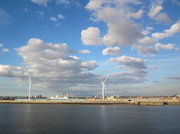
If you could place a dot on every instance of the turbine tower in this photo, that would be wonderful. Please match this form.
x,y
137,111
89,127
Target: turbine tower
x,y
30,86
103,87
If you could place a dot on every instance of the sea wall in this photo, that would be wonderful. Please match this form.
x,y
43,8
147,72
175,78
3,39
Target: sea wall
x,y
156,102
100,102
148,102
172,102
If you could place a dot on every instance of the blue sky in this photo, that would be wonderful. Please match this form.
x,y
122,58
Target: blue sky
x,y
70,46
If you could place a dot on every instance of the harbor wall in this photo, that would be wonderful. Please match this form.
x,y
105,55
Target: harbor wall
x,y
156,102
98,102
172,102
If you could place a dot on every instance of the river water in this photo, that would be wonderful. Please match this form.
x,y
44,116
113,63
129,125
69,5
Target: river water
x,y
88,119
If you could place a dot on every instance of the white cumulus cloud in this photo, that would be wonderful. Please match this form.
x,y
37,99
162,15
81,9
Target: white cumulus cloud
x,y
111,51
91,36
41,2
54,63
54,66
11,71
145,46
53,19
60,16
51,65
175,28
66,2
136,15
121,29
94,4
166,47
156,14
154,11
5,50
84,51
134,76
130,62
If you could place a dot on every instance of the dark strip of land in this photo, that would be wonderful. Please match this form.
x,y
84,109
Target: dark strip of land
x,y
99,102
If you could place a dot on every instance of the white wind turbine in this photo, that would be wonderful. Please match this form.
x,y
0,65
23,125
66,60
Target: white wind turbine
x,y
103,87
30,86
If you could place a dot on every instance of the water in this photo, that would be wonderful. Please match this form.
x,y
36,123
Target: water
x,y
88,119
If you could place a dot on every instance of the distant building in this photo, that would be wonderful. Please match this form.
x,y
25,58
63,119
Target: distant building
x,y
114,97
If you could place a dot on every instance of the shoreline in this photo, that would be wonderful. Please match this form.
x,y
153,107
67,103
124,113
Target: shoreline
x,y
99,102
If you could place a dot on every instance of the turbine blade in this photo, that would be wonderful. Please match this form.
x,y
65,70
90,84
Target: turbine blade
x,y
105,79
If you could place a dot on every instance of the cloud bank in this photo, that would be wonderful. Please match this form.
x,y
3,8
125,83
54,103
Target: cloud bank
x,y
123,29
55,66
51,65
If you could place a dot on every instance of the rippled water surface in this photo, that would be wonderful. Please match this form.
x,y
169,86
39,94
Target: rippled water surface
x,y
88,119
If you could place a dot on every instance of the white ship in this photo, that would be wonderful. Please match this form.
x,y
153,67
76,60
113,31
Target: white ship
x,y
57,97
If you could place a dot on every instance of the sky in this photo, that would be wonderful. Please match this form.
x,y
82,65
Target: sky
x,y
70,46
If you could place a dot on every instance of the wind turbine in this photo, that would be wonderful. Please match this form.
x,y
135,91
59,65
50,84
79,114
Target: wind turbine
x,y
30,86
103,87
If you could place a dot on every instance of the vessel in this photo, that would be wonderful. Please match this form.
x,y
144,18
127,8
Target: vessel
x,y
57,97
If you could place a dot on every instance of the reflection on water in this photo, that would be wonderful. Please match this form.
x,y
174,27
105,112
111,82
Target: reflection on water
x,y
88,119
